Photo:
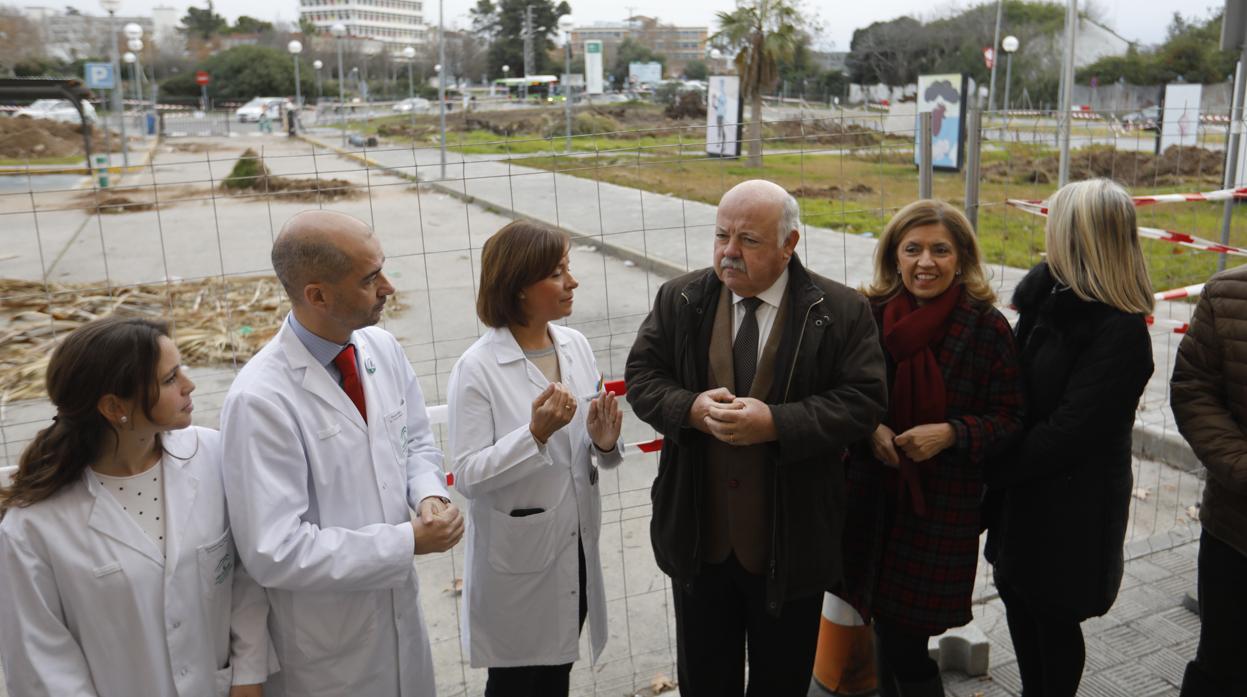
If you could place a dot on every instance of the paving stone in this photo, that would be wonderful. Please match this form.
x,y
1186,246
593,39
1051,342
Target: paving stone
x,y
1176,585
1134,680
1174,561
961,685
1166,663
1147,571
1101,656
1006,675
1183,618
1165,632
1151,598
1130,642
1126,610
1097,686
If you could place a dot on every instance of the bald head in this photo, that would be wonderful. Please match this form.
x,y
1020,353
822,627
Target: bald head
x,y
766,199
316,247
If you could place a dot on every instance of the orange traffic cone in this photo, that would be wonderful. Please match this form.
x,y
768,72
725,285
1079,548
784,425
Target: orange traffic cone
x,y
845,662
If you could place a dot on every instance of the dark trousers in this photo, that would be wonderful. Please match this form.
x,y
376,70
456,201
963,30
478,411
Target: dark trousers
x,y
725,612
901,655
1048,644
538,681
1220,665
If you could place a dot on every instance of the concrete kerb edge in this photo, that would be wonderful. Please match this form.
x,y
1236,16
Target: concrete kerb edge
x,y
659,267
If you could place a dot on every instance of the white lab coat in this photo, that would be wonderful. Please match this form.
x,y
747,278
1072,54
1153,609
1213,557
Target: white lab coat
x,y
89,606
521,579
319,502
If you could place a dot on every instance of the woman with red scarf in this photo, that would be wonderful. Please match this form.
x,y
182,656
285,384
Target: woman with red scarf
x,y
911,537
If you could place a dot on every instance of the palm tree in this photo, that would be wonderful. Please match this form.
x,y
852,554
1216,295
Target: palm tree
x,y
762,33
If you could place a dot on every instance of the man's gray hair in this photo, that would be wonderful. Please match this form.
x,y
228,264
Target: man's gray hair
x,y
790,220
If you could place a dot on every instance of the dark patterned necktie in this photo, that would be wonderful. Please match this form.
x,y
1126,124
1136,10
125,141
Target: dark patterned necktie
x,y
745,348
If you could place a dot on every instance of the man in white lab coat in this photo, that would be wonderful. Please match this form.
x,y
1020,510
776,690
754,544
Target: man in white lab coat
x,y
327,448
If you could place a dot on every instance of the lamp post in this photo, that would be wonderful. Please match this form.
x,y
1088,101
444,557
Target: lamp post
x,y
295,47
339,30
134,42
991,92
410,54
566,24
317,65
129,59
441,77
111,7
1009,45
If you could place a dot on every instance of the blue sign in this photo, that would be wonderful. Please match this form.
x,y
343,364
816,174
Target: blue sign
x,y
99,76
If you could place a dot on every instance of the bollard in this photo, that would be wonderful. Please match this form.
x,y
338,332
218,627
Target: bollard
x,y
974,133
924,155
101,168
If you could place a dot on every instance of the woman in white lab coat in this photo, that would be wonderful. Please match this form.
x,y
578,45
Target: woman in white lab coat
x,y
116,562
528,417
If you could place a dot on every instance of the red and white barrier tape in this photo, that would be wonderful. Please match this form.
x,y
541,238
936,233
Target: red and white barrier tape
x,y
1222,195
1176,326
1179,293
1179,238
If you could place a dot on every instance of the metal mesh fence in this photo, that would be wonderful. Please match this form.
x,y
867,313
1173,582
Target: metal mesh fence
x,y
171,237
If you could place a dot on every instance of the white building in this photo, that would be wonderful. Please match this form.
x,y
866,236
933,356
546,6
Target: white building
x,y
72,36
398,22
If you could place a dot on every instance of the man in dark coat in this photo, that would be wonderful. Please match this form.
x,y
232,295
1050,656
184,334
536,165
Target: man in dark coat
x,y
758,373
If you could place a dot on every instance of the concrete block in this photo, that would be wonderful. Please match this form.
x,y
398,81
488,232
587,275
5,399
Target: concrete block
x,y
965,649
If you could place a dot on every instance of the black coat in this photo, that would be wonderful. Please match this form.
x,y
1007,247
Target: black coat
x,y
1059,504
829,391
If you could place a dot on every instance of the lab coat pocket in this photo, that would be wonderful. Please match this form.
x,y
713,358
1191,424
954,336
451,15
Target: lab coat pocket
x,y
333,624
396,431
523,545
224,681
216,564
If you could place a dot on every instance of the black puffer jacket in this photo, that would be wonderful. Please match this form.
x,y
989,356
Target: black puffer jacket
x,y
830,390
1058,506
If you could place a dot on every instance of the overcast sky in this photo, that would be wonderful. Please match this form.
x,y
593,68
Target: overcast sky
x,y
1138,20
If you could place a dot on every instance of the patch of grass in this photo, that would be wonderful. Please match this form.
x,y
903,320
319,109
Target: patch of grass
x,y
858,193
67,160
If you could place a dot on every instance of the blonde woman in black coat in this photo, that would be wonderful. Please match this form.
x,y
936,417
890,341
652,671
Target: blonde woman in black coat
x,y
1062,500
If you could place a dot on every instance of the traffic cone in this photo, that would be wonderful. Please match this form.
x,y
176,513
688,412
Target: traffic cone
x,y
844,664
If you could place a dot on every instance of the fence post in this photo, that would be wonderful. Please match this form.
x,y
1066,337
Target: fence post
x,y
924,155
974,133
1232,146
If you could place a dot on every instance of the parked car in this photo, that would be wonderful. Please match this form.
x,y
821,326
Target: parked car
x,y
416,104
1147,119
58,110
272,106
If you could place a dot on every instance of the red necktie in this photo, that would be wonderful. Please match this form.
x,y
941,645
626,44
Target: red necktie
x,y
350,379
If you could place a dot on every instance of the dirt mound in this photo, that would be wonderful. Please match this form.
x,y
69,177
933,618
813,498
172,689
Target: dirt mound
x,y
24,138
251,177
828,131
833,192
119,204
1178,164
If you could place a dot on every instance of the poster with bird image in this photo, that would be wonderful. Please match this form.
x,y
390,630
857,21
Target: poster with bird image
x,y
945,97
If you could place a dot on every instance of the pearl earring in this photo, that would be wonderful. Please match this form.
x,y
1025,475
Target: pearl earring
x,y
124,419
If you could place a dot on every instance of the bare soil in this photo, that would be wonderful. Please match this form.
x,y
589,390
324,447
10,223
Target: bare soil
x,y
26,138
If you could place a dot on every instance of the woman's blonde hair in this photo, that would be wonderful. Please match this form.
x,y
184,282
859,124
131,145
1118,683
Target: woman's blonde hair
x,y
1093,245
928,211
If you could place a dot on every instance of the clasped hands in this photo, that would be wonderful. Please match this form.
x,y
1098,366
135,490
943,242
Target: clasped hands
x,y
919,443
438,525
731,419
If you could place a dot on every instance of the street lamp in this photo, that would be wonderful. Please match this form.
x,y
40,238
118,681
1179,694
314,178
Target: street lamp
x,y
441,77
1009,46
410,54
134,36
295,47
566,24
111,7
317,65
339,30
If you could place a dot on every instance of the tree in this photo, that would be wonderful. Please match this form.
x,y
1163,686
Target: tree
x,y
696,70
19,41
504,23
241,73
1191,51
762,33
307,27
202,23
631,51
250,25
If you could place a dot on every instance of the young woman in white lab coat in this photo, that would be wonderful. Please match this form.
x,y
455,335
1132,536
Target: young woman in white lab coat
x,y
527,419
116,561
